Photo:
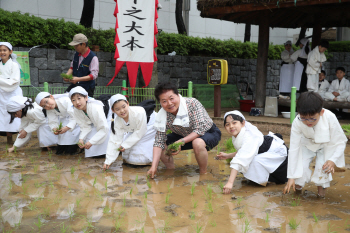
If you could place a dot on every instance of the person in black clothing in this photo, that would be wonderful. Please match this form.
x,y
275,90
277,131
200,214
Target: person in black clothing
x,y
84,66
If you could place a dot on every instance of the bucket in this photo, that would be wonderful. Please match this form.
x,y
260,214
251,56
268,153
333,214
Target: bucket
x,y
246,105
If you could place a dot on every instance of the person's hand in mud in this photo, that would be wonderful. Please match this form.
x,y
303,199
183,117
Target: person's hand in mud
x,y
81,144
152,172
227,188
222,155
22,134
121,149
105,167
88,145
328,167
10,150
64,130
290,184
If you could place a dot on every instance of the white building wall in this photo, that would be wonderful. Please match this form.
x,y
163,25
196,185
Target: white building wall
x,y
71,10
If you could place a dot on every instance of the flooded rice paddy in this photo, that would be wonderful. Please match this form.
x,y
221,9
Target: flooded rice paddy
x,y
44,192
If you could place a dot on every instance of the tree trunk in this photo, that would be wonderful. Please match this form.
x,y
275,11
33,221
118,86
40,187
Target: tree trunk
x,y
181,28
87,15
247,32
301,35
316,35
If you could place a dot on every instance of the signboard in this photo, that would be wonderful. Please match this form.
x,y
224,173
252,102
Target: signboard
x,y
217,72
23,60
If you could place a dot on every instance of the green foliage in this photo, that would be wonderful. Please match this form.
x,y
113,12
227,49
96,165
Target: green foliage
x,y
293,224
67,76
172,148
229,148
346,129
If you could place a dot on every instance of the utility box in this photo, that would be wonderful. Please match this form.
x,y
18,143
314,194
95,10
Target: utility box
x,y
217,72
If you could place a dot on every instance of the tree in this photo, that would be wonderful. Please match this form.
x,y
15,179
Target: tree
x,y
87,15
181,28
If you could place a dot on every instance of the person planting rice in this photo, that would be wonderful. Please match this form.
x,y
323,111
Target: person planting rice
x,y
260,158
60,113
190,124
32,119
91,118
133,134
315,132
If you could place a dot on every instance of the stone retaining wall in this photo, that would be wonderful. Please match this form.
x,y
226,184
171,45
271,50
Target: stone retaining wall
x,y
46,65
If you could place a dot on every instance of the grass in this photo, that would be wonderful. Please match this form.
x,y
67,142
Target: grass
x,y
32,206
329,228
194,204
39,224
209,207
198,228
295,201
36,167
106,185
24,190
193,188
167,198
95,180
192,215
46,212
149,184
267,217
72,170
117,225
77,202
63,229
145,194
293,223
136,179
315,217
246,226
130,192
99,195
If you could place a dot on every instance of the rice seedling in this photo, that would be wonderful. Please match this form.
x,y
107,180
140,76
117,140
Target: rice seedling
x,y
95,180
57,200
136,179
267,217
77,180
17,160
23,166
168,187
209,193
77,202
221,185
89,172
72,170
113,179
213,223
329,228
246,227
167,198
89,226
50,154
169,131
46,212
51,184
315,217
106,185
7,147
124,200
71,213
63,229
130,192
238,201
117,225
39,224
9,185
120,213
86,193
38,199
172,148
295,201
209,207
145,194
79,160
18,224
218,149
194,204
99,195
36,167
241,214
24,190
293,223
15,150
67,76
192,215
106,210
149,184
198,228
193,188
80,144
37,184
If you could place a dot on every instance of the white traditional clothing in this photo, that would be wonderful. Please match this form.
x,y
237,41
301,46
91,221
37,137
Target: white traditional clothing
x,y
9,86
33,120
299,57
314,61
323,88
341,87
326,140
94,127
136,136
286,72
254,166
64,113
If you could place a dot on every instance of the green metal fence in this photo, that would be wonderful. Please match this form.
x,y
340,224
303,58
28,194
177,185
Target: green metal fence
x,y
139,95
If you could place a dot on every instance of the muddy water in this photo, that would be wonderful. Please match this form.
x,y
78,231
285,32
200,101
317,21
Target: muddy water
x,y
40,192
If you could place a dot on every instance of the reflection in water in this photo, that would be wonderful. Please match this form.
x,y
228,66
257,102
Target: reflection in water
x,y
75,191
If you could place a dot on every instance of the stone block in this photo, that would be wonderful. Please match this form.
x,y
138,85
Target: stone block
x,y
274,92
175,72
102,69
196,75
253,62
275,72
160,58
195,59
234,61
163,77
347,57
166,70
41,63
268,92
64,54
31,62
240,61
169,58
38,53
185,59
236,70
198,67
177,59
183,82
51,59
50,76
186,72
34,76
269,85
104,56
244,74
159,65
110,72
24,49
63,65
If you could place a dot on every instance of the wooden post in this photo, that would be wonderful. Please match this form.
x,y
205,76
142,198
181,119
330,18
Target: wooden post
x,y
217,101
316,34
261,67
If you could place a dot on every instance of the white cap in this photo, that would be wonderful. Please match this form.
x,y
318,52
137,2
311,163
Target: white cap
x,y
41,96
17,103
7,44
235,112
79,90
116,98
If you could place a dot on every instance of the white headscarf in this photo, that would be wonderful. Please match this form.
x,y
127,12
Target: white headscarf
x,y
116,98
7,44
249,127
304,41
41,96
82,91
13,56
17,103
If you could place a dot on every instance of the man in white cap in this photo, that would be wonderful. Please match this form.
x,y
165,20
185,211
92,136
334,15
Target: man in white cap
x,y
84,66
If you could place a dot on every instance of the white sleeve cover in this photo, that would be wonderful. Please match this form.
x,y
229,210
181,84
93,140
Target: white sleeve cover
x,y
136,136
39,119
10,84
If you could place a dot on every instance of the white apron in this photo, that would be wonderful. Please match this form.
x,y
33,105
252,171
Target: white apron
x,y
68,138
96,149
298,72
286,78
5,117
46,136
142,152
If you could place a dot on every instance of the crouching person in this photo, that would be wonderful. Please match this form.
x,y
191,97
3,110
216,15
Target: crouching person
x,y
316,132
190,125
